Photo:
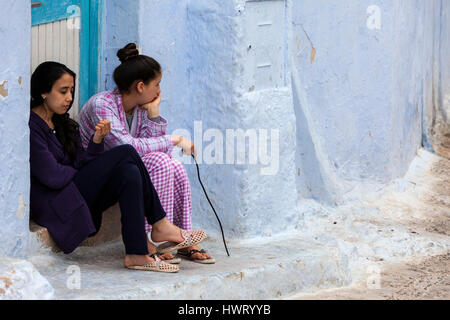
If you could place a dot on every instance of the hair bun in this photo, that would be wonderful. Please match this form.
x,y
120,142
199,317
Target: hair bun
x,y
127,52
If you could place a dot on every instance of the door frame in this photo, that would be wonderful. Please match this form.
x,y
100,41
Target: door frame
x,y
91,12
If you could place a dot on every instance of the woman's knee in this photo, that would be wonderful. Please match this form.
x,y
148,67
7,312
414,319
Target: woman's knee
x,y
123,152
160,160
125,149
129,174
178,165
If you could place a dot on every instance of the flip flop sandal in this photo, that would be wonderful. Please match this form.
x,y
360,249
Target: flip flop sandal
x,y
191,238
188,256
158,266
172,261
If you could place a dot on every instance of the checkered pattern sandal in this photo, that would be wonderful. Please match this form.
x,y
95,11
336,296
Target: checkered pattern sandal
x,y
158,266
191,238
188,256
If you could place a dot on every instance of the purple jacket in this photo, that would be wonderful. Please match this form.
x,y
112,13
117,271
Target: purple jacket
x,y
55,202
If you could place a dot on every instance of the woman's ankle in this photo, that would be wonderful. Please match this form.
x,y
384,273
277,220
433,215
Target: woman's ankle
x,y
151,247
137,260
166,231
160,225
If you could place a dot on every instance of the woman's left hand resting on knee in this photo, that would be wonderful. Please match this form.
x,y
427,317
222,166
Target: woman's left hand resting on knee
x,y
102,128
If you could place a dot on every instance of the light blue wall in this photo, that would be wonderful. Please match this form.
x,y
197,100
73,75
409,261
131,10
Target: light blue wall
x,y
358,108
444,61
361,100
350,121
120,26
15,37
202,53
437,118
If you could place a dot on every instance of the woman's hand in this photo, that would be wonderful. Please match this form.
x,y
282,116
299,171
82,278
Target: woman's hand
x,y
186,145
152,107
102,128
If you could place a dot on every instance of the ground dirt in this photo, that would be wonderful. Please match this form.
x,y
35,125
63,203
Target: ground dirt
x,y
416,277
421,279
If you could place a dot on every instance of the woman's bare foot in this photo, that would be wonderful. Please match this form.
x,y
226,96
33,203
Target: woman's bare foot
x,y
163,230
136,260
197,255
152,250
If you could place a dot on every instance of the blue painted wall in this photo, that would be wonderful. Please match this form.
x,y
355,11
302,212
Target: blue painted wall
x,y
15,32
363,95
444,61
437,116
351,117
120,20
358,105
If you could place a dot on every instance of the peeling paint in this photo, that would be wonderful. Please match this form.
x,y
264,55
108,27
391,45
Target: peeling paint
x,y
3,90
7,281
313,55
21,210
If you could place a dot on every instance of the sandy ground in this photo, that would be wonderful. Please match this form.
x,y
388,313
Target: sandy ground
x,y
422,279
415,278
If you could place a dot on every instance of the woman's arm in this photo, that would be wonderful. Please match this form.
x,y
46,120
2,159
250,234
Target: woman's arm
x,y
43,165
119,135
92,151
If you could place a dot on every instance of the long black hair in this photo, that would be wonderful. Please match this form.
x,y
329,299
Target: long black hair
x,y
42,81
134,67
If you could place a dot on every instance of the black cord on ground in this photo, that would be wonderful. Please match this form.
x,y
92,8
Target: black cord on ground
x,y
220,224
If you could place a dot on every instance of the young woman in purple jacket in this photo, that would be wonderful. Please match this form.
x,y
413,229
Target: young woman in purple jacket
x,y
72,187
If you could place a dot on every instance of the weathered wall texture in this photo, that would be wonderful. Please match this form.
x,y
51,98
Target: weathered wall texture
x,y
359,103
349,89
15,30
211,84
350,92
437,115
120,24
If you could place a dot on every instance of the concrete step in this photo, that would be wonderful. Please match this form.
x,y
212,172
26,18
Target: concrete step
x,y
110,230
257,269
332,246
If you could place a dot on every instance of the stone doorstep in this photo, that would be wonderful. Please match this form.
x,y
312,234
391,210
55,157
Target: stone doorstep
x,y
259,270
110,230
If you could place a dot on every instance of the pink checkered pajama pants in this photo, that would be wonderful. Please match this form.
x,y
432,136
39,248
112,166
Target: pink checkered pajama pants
x,y
171,182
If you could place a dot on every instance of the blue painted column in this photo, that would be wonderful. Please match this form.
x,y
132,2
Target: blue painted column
x,y
220,87
15,38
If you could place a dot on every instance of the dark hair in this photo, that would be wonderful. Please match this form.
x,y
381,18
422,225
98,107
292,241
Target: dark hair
x,y
134,67
42,81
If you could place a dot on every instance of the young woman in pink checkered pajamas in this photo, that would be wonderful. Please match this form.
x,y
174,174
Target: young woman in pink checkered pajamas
x,y
132,109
